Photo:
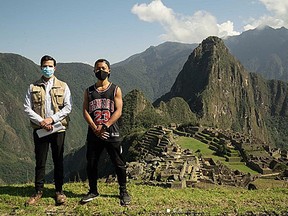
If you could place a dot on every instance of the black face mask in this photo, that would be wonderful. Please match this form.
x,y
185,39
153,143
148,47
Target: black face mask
x,y
102,75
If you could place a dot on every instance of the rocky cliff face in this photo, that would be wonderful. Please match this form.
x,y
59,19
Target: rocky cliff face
x,y
223,94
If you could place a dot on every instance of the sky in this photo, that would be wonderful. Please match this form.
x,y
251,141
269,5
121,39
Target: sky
x,y
83,31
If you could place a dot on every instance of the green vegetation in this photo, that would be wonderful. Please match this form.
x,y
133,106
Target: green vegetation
x,y
195,145
146,200
203,149
278,128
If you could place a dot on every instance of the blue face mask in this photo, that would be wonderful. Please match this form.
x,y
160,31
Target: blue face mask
x,y
47,71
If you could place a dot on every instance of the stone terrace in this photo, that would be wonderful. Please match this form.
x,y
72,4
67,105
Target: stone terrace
x,y
163,162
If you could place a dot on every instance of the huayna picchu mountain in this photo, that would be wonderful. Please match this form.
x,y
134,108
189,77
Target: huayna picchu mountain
x,y
223,94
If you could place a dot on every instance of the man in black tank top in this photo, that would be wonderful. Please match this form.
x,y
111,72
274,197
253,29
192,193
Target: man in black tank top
x,y
102,107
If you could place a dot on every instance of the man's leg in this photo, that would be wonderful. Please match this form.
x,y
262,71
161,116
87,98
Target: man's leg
x,y
41,152
57,146
94,150
41,147
114,150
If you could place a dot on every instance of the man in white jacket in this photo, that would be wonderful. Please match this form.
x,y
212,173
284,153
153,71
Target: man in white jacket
x,y
47,102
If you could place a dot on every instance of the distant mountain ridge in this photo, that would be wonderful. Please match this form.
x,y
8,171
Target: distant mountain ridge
x,y
152,71
263,51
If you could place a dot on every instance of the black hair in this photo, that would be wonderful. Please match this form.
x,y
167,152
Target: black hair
x,y
47,58
103,60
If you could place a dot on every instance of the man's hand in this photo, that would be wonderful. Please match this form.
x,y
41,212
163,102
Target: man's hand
x,y
101,132
104,135
96,129
47,124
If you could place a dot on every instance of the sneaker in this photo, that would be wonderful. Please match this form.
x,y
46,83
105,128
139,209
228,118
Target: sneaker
x,y
125,199
60,198
34,198
89,197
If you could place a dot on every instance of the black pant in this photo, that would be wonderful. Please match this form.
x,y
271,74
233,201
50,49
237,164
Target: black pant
x,y
41,150
95,147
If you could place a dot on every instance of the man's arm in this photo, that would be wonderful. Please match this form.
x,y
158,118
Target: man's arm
x,y
118,108
86,115
33,116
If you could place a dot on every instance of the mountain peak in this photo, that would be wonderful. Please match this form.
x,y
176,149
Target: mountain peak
x,y
209,62
212,40
217,88
211,46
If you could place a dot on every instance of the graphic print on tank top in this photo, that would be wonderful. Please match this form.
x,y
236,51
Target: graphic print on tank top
x,y
101,104
101,110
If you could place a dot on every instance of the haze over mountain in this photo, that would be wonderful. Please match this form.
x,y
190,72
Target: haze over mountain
x,y
153,72
263,51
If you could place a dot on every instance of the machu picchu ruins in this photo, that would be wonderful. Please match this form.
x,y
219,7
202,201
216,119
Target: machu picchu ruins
x,y
162,162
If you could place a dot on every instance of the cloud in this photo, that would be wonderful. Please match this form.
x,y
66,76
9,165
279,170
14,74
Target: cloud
x,y
278,15
155,11
227,29
186,29
279,7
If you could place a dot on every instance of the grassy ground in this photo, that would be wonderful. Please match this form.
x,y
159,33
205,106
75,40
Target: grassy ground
x,y
150,200
271,198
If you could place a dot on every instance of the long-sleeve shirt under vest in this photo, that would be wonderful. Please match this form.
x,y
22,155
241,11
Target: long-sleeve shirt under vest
x,y
49,110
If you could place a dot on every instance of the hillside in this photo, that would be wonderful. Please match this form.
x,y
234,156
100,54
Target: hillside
x,y
262,51
152,71
16,148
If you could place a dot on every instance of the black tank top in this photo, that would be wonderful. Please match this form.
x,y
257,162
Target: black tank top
x,y
101,106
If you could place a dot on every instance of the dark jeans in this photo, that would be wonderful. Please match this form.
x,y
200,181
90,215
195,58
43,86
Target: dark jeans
x,y
95,147
41,150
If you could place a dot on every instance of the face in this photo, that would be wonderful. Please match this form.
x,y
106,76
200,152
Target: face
x,y
49,63
101,66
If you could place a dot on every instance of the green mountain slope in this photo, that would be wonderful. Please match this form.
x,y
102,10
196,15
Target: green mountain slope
x,y
16,164
152,71
224,95
16,144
